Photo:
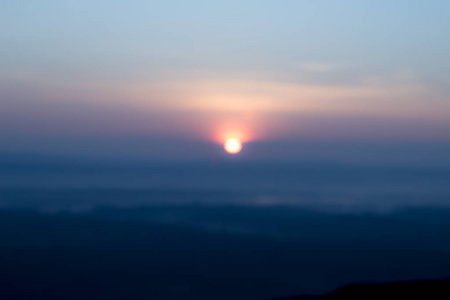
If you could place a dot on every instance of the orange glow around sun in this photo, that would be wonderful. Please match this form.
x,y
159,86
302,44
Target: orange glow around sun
x,y
233,146
232,135
224,133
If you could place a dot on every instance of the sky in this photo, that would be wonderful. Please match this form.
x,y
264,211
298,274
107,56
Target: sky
x,y
175,79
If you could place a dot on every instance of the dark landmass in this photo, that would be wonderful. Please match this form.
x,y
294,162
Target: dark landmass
x,y
430,290
67,257
107,255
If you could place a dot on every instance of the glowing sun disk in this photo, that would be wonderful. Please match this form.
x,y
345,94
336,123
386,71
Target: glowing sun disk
x,y
233,146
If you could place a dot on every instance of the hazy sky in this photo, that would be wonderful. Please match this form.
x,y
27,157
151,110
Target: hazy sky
x,y
74,74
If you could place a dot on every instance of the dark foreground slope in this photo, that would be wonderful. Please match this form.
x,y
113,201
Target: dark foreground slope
x,y
80,257
430,290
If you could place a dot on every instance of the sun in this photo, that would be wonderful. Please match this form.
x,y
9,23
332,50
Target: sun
x,y
233,146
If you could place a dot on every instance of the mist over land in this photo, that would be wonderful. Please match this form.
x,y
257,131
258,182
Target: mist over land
x,y
346,186
225,230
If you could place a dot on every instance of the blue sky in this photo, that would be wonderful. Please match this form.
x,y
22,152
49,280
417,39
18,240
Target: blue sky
x,y
263,71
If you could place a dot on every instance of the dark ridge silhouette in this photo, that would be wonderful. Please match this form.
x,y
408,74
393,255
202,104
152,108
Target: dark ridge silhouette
x,y
430,290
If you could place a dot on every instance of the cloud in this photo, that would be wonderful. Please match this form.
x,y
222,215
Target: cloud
x,y
211,108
